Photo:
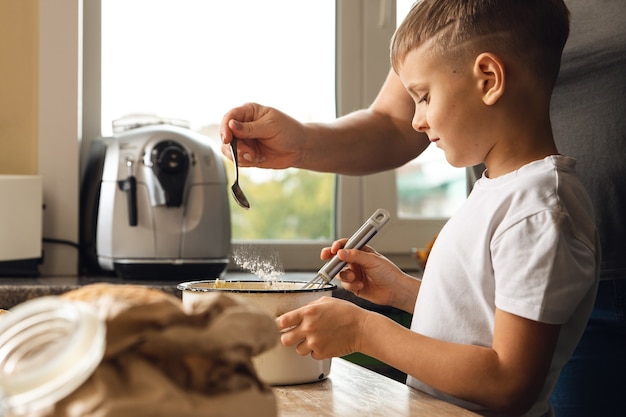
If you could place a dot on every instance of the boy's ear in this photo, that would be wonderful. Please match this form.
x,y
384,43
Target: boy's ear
x,y
489,70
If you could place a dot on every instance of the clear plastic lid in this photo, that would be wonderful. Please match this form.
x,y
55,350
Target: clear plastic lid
x,y
48,347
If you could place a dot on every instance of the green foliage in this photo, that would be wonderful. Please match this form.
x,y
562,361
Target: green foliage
x,y
293,205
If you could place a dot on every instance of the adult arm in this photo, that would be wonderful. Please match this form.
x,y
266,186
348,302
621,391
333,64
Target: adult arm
x,y
366,141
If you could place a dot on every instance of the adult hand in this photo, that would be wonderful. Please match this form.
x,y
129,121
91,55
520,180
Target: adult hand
x,y
325,328
267,137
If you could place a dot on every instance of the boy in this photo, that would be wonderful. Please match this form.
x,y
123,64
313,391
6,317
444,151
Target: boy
x,y
512,276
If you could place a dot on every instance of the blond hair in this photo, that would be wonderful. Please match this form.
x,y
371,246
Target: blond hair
x,y
532,32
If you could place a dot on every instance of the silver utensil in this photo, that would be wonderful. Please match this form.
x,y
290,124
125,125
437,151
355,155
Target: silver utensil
x,y
359,239
240,197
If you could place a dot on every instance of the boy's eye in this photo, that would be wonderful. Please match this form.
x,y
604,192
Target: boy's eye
x,y
422,99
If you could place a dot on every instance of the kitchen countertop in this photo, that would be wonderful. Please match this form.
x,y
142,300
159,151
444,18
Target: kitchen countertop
x,y
351,390
14,291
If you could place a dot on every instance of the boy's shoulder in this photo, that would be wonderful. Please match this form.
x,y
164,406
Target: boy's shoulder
x,y
548,184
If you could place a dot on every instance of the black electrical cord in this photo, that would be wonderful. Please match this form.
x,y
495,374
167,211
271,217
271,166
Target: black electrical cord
x,y
61,242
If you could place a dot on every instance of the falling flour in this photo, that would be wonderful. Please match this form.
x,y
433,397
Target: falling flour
x,y
260,261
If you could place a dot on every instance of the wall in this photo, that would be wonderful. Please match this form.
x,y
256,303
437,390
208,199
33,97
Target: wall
x,y
18,86
39,113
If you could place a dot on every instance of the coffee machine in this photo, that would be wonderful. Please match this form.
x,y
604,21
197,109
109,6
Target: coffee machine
x,y
154,205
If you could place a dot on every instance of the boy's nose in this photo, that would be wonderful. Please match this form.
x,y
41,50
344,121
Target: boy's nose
x,y
419,122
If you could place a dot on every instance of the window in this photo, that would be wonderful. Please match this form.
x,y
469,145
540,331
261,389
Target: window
x,y
195,59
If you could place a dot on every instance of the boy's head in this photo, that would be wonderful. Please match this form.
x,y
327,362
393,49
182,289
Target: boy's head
x,y
531,33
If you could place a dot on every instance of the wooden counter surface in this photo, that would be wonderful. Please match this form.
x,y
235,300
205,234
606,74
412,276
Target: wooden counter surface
x,y
353,391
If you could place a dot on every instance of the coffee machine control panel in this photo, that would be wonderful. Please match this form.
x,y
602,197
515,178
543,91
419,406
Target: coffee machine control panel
x,y
169,162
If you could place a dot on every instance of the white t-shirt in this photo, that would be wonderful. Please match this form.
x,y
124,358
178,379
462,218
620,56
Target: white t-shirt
x,y
525,243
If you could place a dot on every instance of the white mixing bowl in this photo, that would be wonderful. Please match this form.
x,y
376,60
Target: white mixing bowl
x,y
280,365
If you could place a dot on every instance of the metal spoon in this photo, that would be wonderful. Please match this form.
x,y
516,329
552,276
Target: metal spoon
x,y
240,197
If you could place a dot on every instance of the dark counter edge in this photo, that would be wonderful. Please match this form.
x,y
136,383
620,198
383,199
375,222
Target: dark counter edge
x,y
14,291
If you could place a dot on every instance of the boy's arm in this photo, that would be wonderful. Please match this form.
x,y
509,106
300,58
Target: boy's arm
x,y
506,377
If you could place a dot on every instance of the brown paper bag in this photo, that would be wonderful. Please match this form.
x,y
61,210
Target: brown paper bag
x,y
161,360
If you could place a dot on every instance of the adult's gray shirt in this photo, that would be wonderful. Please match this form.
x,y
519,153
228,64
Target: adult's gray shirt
x,y
589,117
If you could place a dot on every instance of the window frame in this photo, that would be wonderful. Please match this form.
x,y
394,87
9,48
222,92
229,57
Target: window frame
x,y
72,28
364,30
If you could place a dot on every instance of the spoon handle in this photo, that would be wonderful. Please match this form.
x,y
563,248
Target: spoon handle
x,y
240,197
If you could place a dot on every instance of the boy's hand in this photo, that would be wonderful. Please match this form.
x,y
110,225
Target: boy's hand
x,y
368,275
324,328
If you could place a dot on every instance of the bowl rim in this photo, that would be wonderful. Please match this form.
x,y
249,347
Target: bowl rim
x,y
192,286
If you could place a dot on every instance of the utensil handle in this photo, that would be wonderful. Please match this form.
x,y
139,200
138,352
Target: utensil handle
x,y
359,239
